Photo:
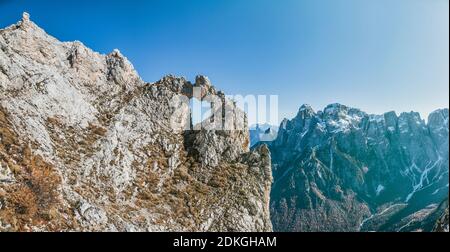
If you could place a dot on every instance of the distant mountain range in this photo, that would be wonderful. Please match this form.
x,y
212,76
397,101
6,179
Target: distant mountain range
x,y
341,169
262,133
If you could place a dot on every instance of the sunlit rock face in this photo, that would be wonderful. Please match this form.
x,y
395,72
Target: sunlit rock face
x,y
86,145
341,169
262,133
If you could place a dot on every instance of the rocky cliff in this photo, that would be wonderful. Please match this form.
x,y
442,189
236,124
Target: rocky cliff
x,y
86,145
341,169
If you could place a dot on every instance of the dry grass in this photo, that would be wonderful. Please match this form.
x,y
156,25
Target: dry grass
x,y
70,143
97,130
33,198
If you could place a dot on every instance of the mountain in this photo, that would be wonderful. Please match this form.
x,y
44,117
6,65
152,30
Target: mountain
x,y
86,145
262,133
342,169
443,222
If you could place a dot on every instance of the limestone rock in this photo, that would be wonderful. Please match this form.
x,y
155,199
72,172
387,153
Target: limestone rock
x,y
86,145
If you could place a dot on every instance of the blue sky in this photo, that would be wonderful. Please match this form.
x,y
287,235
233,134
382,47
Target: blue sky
x,y
377,55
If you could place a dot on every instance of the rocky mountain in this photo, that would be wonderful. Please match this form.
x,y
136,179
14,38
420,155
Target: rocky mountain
x,y
86,145
341,169
443,222
262,133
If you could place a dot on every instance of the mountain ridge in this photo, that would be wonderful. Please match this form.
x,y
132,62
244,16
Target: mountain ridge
x,y
346,166
87,145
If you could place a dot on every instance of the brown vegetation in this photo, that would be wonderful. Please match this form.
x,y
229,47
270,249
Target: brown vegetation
x,y
33,197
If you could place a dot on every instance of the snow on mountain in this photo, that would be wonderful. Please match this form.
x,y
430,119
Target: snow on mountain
x,y
340,169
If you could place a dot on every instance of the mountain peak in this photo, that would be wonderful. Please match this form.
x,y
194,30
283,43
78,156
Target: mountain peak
x,y
25,17
334,109
26,22
306,107
305,111
201,80
439,112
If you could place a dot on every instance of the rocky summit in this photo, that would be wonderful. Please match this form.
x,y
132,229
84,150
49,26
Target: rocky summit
x,y
341,169
86,145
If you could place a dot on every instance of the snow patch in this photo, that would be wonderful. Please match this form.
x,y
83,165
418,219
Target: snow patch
x,y
380,188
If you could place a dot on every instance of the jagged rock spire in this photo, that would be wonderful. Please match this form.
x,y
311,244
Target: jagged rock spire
x,y
25,17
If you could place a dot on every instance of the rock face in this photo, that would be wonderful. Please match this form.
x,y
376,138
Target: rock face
x,y
86,145
341,169
443,222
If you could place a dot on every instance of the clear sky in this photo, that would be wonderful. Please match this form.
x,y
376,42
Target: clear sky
x,y
377,55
